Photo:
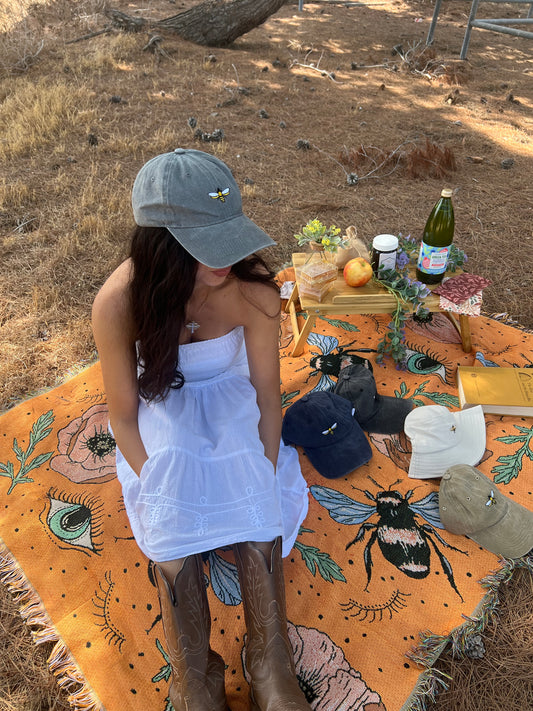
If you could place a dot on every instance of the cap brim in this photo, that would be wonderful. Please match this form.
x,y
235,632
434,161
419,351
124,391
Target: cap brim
x,y
224,244
389,417
342,457
511,536
471,425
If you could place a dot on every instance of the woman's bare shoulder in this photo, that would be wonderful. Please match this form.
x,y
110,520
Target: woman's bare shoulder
x,y
260,297
112,301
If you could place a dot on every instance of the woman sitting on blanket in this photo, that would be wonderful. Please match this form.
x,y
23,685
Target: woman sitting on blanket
x,y
187,334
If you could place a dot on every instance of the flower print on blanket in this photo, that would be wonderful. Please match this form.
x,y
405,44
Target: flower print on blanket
x,y
86,448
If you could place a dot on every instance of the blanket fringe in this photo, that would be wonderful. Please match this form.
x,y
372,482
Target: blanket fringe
x,y
432,680
60,661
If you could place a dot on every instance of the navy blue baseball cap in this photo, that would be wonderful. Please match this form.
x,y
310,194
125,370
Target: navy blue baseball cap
x,y
381,414
324,425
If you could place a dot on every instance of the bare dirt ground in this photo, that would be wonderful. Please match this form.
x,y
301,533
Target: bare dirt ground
x,y
338,112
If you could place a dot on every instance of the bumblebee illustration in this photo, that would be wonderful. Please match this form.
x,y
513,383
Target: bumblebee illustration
x,y
403,541
329,363
220,194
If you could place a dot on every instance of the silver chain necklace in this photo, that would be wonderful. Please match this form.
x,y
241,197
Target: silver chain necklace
x,y
193,325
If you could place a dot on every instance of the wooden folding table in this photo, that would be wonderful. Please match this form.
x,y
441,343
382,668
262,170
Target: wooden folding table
x,y
343,299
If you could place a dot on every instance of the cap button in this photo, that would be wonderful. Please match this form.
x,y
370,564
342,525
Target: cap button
x,y
179,150
447,476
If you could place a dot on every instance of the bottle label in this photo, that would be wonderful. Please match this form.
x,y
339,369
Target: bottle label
x,y
432,260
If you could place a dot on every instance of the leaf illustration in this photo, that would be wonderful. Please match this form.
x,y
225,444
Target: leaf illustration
x,y
165,671
511,464
445,399
40,430
287,397
317,560
338,323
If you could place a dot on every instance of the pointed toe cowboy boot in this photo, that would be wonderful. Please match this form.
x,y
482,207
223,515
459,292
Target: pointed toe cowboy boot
x,y
269,653
197,671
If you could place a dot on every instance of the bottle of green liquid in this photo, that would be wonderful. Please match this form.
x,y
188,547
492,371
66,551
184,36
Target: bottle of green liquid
x,y
436,241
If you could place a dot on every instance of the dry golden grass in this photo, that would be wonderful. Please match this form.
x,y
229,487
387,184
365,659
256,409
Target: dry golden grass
x,y
78,119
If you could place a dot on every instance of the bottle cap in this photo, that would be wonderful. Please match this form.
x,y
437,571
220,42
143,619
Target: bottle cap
x,y
385,243
446,192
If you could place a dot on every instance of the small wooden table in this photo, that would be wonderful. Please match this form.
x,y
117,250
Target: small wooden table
x,y
343,299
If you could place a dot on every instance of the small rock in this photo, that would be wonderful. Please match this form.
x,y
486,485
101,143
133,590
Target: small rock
x,y
507,163
115,99
353,65
474,647
263,114
264,69
248,181
192,122
92,139
303,145
282,124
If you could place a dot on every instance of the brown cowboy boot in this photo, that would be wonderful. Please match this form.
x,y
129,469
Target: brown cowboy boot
x,y
269,653
197,671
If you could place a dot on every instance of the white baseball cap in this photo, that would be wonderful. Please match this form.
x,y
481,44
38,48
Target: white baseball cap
x,y
441,438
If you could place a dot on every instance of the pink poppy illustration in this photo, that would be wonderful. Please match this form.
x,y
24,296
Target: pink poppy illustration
x,y
328,680
86,448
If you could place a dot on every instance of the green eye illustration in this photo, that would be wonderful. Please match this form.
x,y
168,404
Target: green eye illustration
x,y
74,520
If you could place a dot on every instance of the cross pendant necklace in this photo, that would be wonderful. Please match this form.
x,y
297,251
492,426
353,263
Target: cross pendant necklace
x,y
192,326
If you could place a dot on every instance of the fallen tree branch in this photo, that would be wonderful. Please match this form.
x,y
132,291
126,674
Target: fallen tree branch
x,y
103,31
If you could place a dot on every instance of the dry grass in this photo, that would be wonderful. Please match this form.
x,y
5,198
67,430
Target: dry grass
x,y
25,682
78,119
504,677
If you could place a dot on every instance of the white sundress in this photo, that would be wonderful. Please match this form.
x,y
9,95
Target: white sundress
x,y
207,482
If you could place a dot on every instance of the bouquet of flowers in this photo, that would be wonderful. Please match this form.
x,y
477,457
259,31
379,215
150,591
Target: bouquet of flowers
x,y
316,233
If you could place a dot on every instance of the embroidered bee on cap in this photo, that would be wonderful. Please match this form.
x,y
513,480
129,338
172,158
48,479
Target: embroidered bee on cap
x,y
220,194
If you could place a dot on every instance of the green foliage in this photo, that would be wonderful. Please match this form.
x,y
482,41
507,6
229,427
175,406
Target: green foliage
x,y
409,295
317,232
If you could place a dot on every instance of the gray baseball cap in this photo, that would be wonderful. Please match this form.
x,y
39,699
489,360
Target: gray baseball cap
x,y
472,505
195,196
380,414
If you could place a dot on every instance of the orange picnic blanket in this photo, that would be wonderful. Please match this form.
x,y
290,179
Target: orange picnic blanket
x,y
358,636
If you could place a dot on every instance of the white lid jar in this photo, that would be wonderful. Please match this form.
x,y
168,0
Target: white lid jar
x,y
384,248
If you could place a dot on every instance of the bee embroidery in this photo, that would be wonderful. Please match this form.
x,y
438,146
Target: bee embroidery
x,y
330,429
402,539
491,501
220,194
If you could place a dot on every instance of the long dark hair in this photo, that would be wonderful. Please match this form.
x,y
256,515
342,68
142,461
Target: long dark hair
x,y
163,280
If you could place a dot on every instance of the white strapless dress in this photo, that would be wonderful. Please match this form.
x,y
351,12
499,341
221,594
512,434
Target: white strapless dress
x,y
207,482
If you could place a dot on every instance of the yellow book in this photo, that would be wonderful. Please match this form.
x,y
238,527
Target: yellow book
x,y
499,391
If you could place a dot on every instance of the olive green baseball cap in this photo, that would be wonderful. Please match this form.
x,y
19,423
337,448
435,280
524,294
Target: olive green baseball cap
x,y
472,505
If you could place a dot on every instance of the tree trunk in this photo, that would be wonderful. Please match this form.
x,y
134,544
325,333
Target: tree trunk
x,y
215,23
